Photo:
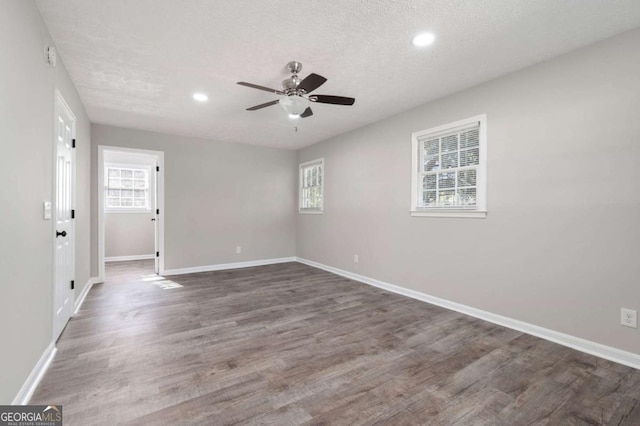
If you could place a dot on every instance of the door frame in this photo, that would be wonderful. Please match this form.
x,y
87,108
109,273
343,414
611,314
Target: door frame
x,y
160,203
60,103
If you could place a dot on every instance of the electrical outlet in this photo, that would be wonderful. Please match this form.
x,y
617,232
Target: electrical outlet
x,y
629,318
238,250
355,258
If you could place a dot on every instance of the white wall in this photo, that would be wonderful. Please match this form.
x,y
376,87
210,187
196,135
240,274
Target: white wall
x,y
560,245
217,196
27,87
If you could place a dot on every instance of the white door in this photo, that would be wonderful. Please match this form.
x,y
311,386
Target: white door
x,y
156,218
64,241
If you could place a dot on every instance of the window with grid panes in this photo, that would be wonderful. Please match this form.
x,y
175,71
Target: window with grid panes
x,y
127,188
449,170
311,186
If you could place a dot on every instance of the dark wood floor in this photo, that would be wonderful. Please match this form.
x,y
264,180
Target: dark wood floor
x,y
289,344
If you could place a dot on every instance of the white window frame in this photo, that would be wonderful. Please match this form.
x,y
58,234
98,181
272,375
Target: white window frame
x,y
132,209
480,210
319,161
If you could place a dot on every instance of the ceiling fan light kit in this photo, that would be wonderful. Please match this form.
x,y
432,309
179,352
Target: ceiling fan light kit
x,y
294,105
295,98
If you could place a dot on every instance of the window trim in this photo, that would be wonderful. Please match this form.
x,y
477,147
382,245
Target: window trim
x,y
301,166
480,211
132,209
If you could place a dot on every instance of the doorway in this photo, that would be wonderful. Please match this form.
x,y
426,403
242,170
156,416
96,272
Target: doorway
x,y
130,211
63,214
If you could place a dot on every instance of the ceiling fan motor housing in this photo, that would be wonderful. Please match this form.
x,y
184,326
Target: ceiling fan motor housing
x,y
290,84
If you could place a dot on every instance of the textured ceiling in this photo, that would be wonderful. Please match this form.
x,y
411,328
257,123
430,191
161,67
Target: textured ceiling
x,y
137,63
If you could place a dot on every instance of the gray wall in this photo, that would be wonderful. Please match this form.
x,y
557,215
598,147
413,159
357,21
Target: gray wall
x,y
217,196
26,168
560,245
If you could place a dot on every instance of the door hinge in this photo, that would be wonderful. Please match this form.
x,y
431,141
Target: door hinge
x,y
157,168
157,211
73,284
73,214
157,254
73,143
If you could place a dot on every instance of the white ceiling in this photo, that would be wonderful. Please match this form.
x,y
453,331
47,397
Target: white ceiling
x,y
137,63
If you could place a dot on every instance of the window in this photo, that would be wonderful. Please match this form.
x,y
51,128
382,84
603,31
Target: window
x,y
449,170
311,186
127,188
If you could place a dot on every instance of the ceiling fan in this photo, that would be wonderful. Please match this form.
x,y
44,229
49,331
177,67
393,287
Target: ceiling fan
x,y
295,98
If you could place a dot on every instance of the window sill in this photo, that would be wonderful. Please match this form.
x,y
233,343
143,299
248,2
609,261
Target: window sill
x,y
471,214
128,211
310,211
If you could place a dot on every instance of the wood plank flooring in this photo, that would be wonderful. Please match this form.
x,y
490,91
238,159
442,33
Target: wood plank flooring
x,y
292,345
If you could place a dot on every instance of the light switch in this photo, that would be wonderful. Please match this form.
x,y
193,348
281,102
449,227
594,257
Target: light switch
x,y
47,210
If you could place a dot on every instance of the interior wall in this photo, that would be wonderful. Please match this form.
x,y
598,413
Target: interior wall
x,y
217,196
27,86
131,233
128,234
559,246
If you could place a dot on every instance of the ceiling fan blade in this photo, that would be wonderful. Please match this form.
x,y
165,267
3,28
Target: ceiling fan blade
x,y
253,108
255,86
307,113
311,82
329,99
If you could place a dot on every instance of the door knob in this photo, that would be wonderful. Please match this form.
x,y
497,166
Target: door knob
x,y
153,220
63,234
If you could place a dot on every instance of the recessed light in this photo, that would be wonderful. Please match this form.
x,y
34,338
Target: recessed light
x,y
200,97
423,39
294,116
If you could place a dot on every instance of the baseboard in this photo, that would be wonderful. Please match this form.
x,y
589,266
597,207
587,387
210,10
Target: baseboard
x,y
83,294
125,258
30,385
607,352
223,266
